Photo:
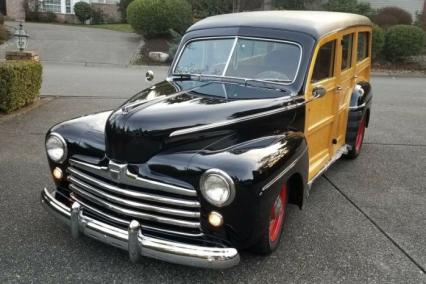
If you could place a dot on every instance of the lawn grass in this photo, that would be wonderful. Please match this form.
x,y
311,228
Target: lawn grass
x,y
113,27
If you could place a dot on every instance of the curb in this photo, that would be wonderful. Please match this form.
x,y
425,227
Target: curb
x,y
36,104
399,74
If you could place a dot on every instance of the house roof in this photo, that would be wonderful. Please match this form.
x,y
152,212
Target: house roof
x,y
314,23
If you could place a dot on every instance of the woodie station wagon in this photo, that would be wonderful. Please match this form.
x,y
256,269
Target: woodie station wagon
x,y
202,165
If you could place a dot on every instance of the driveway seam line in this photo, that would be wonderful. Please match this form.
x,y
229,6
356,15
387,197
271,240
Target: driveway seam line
x,y
376,225
395,144
83,97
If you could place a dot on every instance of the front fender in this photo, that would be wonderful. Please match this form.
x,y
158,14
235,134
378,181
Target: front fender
x,y
258,167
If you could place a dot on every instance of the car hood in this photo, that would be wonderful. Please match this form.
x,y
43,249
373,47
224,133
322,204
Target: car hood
x,y
185,115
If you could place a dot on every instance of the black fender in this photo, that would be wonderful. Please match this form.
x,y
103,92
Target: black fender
x,y
84,136
359,107
259,168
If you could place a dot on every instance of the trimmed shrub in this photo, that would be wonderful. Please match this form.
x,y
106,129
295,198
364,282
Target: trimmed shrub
x,y
83,11
20,83
391,16
349,6
4,34
46,17
122,7
402,41
206,8
98,17
155,18
378,41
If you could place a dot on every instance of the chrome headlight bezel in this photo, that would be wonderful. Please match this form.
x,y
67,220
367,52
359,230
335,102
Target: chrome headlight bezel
x,y
62,142
227,180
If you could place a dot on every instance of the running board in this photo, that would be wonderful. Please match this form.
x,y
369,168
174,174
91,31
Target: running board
x,y
339,153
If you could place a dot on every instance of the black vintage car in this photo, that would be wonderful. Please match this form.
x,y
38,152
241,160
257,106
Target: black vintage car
x,y
191,170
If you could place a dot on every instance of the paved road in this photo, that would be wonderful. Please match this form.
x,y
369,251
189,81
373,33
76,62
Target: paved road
x,y
71,44
95,80
364,221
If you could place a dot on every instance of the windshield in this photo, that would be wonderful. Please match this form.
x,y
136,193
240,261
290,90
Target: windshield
x,y
241,58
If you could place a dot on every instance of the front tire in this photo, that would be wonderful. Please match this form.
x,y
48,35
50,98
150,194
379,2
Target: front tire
x,y
272,226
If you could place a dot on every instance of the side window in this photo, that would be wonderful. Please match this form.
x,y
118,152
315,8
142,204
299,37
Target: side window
x,y
324,64
347,51
363,38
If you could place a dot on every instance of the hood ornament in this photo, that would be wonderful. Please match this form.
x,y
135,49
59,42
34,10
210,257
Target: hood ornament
x,y
117,172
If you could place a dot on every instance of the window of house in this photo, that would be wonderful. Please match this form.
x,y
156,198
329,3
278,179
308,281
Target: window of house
x,y
51,6
324,64
363,39
347,51
68,6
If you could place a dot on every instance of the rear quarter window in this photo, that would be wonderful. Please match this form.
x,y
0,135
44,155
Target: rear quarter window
x,y
363,44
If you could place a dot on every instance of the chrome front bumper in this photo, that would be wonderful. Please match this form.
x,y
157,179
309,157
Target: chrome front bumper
x,y
135,242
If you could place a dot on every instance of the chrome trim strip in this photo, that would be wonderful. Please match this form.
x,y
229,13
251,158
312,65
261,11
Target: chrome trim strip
x,y
233,121
126,222
281,174
343,150
133,180
170,251
131,193
133,213
357,107
82,186
241,37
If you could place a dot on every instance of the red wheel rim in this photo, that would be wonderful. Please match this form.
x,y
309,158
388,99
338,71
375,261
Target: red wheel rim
x,y
277,214
360,135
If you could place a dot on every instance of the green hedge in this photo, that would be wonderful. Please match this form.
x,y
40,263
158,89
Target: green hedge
x,y
402,41
153,18
20,83
4,34
378,41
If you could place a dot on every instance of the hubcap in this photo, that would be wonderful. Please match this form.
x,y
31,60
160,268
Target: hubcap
x,y
277,215
360,135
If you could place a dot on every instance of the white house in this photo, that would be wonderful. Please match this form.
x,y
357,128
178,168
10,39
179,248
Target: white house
x,y
67,6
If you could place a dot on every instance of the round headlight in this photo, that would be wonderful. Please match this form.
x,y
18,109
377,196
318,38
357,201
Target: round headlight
x,y
56,148
217,187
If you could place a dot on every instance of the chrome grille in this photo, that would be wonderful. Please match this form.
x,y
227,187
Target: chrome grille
x,y
158,206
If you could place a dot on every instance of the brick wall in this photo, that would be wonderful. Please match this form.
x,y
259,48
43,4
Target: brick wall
x,y
15,9
110,11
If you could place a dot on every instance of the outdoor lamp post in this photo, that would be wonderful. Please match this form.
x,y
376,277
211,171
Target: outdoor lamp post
x,y
21,37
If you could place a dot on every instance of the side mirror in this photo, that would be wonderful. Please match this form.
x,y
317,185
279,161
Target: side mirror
x,y
319,92
149,76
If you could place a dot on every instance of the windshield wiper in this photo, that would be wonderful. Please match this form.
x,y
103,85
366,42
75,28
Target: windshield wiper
x,y
269,84
277,80
186,76
274,84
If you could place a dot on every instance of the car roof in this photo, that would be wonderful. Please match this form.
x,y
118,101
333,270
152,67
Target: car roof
x,y
314,23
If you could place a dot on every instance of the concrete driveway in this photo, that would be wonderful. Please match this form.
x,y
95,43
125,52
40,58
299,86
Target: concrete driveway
x,y
75,44
364,221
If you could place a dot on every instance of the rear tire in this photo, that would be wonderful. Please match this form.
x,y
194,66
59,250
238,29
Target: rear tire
x,y
272,225
357,145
